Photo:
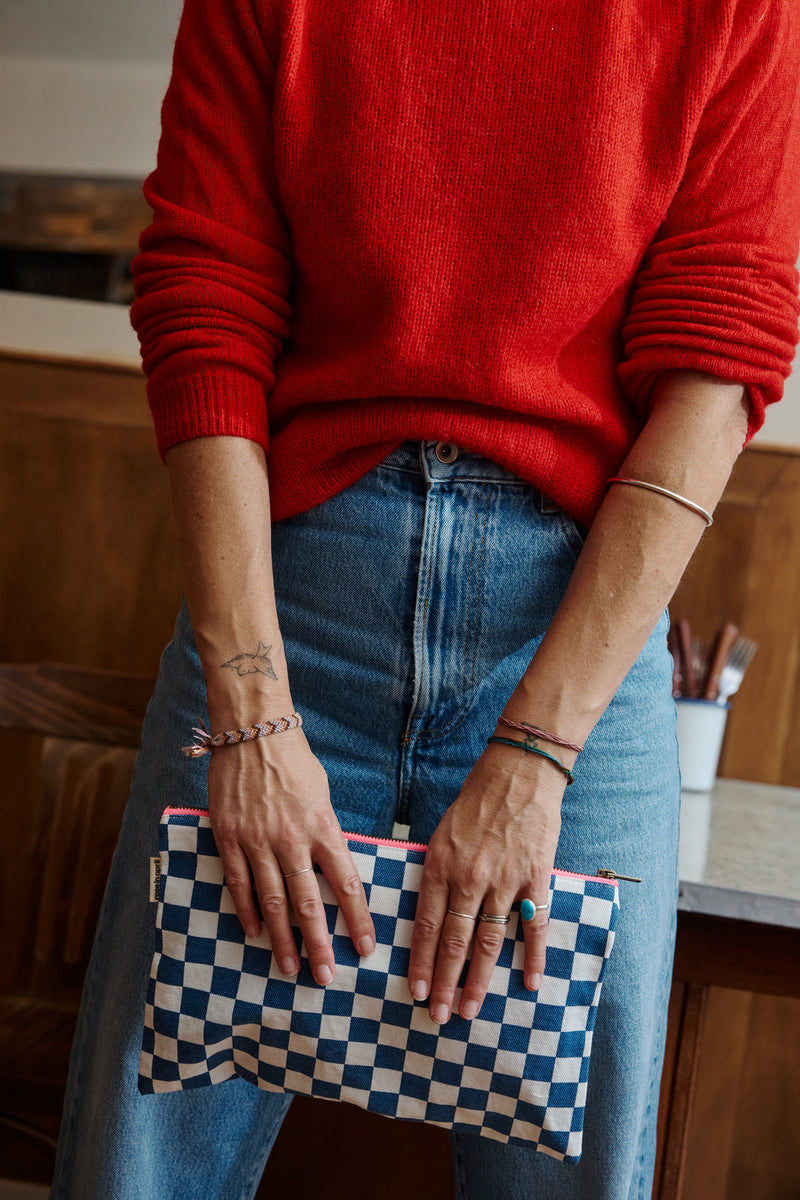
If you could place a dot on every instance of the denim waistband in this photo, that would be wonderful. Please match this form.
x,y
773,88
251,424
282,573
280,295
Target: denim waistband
x,y
421,458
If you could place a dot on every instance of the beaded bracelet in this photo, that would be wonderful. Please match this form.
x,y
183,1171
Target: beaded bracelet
x,y
205,742
542,733
535,750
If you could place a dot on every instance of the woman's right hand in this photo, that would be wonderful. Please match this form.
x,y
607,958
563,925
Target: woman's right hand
x,y
268,799
271,815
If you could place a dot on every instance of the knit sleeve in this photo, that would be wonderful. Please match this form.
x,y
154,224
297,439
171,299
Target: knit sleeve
x,y
717,291
213,273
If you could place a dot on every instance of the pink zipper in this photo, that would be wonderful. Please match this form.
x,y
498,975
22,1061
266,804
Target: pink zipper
x,y
373,841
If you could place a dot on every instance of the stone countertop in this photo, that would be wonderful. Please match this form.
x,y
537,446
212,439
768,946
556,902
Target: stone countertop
x,y
740,853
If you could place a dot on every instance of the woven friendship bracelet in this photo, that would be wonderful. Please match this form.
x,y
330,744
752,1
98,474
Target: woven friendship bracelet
x,y
205,742
535,750
542,733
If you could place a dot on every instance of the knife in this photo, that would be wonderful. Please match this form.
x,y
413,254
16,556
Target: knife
x,y
725,639
685,640
674,648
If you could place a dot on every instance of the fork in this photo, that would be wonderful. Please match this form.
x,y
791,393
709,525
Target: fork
x,y
732,673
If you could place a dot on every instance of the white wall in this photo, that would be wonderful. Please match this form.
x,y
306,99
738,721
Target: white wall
x,y
135,31
79,116
81,83
782,426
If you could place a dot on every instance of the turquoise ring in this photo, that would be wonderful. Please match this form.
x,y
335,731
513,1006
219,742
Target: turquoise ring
x,y
528,909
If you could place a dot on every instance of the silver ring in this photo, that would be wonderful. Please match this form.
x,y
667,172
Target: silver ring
x,y
527,908
494,918
302,871
469,916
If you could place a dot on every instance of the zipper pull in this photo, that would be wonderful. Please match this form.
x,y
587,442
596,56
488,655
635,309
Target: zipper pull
x,y
607,873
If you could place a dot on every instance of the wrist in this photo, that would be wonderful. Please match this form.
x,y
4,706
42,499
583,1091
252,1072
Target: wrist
x,y
236,712
570,718
538,775
246,684
535,748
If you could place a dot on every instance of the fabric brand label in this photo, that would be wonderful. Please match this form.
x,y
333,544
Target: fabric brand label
x,y
155,879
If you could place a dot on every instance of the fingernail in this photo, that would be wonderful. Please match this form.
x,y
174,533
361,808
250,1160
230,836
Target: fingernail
x,y
366,946
323,974
527,910
469,1010
419,989
534,982
289,966
440,1013
252,931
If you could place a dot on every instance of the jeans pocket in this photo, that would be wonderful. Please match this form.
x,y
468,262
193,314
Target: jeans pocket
x,y
573,532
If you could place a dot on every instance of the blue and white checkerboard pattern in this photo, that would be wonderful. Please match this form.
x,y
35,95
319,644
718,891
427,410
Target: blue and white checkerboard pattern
x,y
217,1005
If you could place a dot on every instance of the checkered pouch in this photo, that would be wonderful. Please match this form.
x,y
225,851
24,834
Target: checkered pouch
x,y
218,1006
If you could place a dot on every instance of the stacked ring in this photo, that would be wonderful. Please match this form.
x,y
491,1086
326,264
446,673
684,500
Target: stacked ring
x,y
494,918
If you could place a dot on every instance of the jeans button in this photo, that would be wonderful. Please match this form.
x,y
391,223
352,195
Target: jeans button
x,y
446,452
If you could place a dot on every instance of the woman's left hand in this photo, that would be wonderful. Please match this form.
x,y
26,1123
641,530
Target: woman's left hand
x,y
495,845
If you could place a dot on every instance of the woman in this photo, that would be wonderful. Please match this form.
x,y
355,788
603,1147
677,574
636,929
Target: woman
x,y
419,284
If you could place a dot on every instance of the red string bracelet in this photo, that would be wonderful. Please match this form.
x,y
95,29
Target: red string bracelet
x,y
542,733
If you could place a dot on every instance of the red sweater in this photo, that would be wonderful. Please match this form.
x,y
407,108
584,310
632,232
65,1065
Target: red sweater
x,y
488,223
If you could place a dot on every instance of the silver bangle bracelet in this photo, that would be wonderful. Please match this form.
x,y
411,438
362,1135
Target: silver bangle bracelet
x,y
653,487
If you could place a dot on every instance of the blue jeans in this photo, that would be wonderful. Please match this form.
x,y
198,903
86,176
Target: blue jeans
x,y
410,605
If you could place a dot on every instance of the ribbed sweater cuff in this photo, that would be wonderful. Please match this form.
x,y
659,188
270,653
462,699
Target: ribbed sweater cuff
x,y
764,387
212,403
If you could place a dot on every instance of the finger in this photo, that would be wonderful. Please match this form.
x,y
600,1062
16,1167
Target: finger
x,y
238,882
451,954
535,918
487,944
310,912
272,897
340,870
428,922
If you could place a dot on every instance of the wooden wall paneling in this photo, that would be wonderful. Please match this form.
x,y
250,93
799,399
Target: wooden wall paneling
x,y
20,755
714,587
737,954
760,738
713,1129
88,565
681,1090
743,1137
74,703
54,868
676,1002
791,758
62,808
394,1160
84,788
747,569
765,1159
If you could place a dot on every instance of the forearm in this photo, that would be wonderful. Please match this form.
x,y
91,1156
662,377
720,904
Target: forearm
x,y
220,503
635,554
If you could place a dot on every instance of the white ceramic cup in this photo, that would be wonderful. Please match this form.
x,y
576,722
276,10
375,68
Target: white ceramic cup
x,y
701,728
